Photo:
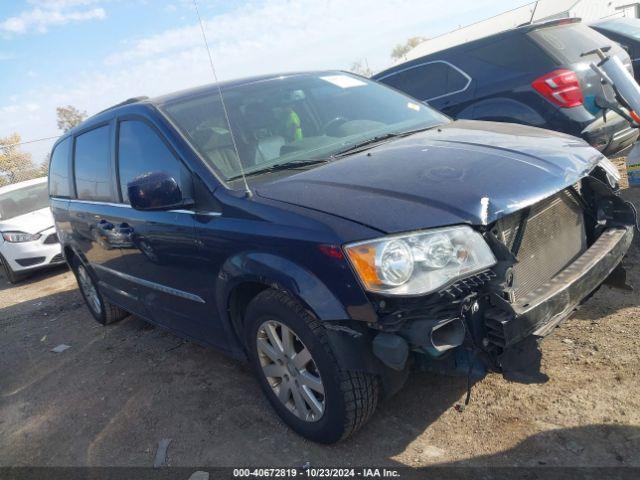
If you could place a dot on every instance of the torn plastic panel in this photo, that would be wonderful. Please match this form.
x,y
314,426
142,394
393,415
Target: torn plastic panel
x,y
504,311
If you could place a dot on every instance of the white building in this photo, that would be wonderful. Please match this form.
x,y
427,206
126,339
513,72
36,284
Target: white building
x,y
541,10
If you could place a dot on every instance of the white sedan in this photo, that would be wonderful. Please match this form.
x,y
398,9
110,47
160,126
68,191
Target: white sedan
x,y
28,239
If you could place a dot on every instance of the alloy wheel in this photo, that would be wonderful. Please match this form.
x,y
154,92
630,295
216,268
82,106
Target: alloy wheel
x,y
290,370
89,290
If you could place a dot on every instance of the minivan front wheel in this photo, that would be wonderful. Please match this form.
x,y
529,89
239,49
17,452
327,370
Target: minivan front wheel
x,y
102,310
299,374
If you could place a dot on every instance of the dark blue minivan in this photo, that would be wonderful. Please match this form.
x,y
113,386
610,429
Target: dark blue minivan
x,y
335,233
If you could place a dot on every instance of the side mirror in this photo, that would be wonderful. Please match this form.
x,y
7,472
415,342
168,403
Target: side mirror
x,y
156,191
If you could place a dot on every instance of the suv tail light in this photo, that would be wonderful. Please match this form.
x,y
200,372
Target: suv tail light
x,y
560,87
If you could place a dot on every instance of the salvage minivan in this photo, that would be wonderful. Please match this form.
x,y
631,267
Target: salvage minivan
x,y
335,233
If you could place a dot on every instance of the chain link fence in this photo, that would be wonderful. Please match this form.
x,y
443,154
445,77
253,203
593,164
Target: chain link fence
x,y
23,160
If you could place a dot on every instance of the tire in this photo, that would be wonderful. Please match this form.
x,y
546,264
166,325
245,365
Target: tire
x,y
11,276
348,398
103,311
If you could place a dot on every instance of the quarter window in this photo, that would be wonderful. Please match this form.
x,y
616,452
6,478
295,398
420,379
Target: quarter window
x,y
429,81
59,174
91,165
141,151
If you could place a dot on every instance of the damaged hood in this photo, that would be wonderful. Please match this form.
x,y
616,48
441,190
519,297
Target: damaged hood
x,y
464,172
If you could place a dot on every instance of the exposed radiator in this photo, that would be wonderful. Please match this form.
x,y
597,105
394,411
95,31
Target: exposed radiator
x,y
553,237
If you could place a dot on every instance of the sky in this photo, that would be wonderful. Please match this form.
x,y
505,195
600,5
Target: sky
x,y
94,53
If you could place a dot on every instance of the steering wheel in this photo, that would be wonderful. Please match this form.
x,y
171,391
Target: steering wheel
x,y
333,123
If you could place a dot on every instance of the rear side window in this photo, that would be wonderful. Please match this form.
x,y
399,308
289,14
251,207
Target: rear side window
x,y
140,151
519,53
59,173
567,43
91,165
429,81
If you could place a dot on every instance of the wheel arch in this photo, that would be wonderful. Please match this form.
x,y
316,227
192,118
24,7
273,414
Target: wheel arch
x,y
244,276
503,109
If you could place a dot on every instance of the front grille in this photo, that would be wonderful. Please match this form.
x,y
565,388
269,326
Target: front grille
x,y
51,239
57,258
553,236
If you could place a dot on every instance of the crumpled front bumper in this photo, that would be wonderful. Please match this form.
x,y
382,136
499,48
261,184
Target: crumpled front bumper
x,y
539,312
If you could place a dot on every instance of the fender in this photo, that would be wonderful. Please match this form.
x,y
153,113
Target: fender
x,y
502,109
282,274
350,340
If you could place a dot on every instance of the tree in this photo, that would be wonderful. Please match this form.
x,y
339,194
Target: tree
x,y
69,117
361,67
401,50
16,165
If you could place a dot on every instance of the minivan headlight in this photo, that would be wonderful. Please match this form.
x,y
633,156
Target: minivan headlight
x,y
20,237
419,262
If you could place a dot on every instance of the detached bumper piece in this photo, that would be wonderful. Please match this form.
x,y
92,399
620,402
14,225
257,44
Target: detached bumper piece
x,y
541,310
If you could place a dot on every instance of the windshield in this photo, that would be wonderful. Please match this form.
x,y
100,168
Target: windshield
x,y
23,200
293,119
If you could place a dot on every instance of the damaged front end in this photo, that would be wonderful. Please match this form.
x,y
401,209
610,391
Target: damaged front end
x,y
551,257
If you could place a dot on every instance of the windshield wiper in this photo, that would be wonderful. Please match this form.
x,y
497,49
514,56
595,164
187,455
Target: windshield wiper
x,y
371,142
360,146
283,166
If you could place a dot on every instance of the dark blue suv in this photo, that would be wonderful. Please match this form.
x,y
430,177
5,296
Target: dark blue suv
x,y
535,75
334,233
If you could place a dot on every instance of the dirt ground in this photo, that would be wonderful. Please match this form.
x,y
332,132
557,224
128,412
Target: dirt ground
x,y
111,397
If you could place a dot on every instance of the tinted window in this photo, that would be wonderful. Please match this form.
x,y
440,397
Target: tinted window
x,y
91,165
568,42
140,151
23,200
629,27
59,170
428,81
518,54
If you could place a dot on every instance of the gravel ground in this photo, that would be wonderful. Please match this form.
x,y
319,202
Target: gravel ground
x,y
117,391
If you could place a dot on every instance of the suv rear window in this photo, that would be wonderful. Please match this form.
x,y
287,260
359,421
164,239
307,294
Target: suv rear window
x,y
567,43
92,166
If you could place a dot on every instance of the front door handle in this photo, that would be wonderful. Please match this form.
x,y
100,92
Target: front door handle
x,y
105,225
125,228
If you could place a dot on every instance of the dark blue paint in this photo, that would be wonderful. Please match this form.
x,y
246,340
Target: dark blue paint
x,y
278,236
503,93
408,184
